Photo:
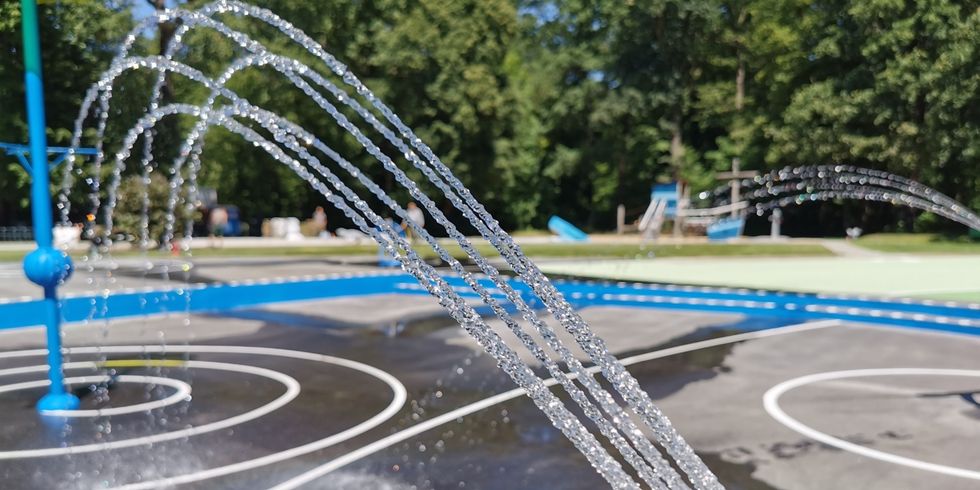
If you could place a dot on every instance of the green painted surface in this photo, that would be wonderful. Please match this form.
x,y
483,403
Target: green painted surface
x,y
941,277
919,243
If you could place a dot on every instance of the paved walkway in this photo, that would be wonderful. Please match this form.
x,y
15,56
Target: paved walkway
x,y
847,248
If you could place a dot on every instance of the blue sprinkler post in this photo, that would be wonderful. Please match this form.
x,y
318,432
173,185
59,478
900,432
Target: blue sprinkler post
x,y
45,266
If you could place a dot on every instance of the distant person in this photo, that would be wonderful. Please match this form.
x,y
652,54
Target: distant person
x,y
319,220
217,221
97,244
416,216
853,233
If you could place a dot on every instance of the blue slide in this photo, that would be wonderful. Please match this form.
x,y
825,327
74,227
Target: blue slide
x,y
566,231
725,229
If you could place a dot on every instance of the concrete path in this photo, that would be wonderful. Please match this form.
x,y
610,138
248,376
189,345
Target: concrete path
x,y
848,249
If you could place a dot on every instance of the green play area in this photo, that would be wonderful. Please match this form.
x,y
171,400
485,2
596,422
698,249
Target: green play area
x,y
945,277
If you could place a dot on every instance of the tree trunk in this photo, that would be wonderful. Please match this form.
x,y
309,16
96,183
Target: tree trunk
x,y
621,178
740,84
166,32
739,103
622,165
676,147
677,161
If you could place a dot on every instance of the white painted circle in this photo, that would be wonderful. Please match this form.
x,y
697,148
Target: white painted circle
x,y
292,390
399,396
181,392
771,403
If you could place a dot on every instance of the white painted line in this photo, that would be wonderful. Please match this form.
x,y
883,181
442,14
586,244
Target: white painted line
x,y
292,390
451,416
770,402
399,396
181,393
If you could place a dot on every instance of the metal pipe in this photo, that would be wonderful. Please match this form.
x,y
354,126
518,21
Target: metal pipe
x,y
45,266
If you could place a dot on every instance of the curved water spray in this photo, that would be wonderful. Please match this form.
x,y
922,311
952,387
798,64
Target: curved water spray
x,y
286,133
796,185
273,123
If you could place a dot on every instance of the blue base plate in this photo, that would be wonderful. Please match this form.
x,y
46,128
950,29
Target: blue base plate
x,y
57,401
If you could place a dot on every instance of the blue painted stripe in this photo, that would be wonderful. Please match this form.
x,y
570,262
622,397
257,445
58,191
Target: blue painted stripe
x,y
196,299
784,305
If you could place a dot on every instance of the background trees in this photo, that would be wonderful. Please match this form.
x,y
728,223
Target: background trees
x,y
78,39
575,106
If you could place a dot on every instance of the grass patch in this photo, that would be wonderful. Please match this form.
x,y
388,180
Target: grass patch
x,y
549,250
306,251
530,232
556,250
605,250
924,243
12,255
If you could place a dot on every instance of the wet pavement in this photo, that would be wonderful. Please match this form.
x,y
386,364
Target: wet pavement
x,y
712,393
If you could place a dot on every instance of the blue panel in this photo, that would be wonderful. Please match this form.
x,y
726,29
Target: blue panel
x,y
725,229
669,193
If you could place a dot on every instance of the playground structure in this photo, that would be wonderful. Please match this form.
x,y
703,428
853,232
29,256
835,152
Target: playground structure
x,y
671,202
566,231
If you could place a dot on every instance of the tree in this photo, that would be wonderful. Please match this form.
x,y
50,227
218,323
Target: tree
x,y
439,65
78,39
886,84
622,115
563,107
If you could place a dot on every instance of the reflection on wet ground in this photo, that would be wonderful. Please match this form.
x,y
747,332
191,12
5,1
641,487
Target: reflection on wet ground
x,y
507,446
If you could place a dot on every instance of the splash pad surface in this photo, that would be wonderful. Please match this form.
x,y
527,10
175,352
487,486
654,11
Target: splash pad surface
x,y
468,429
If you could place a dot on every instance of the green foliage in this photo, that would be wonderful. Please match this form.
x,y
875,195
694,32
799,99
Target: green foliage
x,y
568,107
78,39
881,83
892,85
127,218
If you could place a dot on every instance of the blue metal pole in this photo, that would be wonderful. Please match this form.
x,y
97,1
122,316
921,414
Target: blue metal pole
x,y
45,266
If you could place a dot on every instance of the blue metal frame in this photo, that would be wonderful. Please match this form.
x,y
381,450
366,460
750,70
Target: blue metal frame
x,y
23,152
45,266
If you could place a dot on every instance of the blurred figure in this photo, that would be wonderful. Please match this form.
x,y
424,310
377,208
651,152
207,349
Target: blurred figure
x,y
217,221
97,245
416,216
319,220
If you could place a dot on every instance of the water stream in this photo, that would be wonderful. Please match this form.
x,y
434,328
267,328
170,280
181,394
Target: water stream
x,y
797,185
624,416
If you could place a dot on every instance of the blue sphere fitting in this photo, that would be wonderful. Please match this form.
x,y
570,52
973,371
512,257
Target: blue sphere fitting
x,y
47,266
57,401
